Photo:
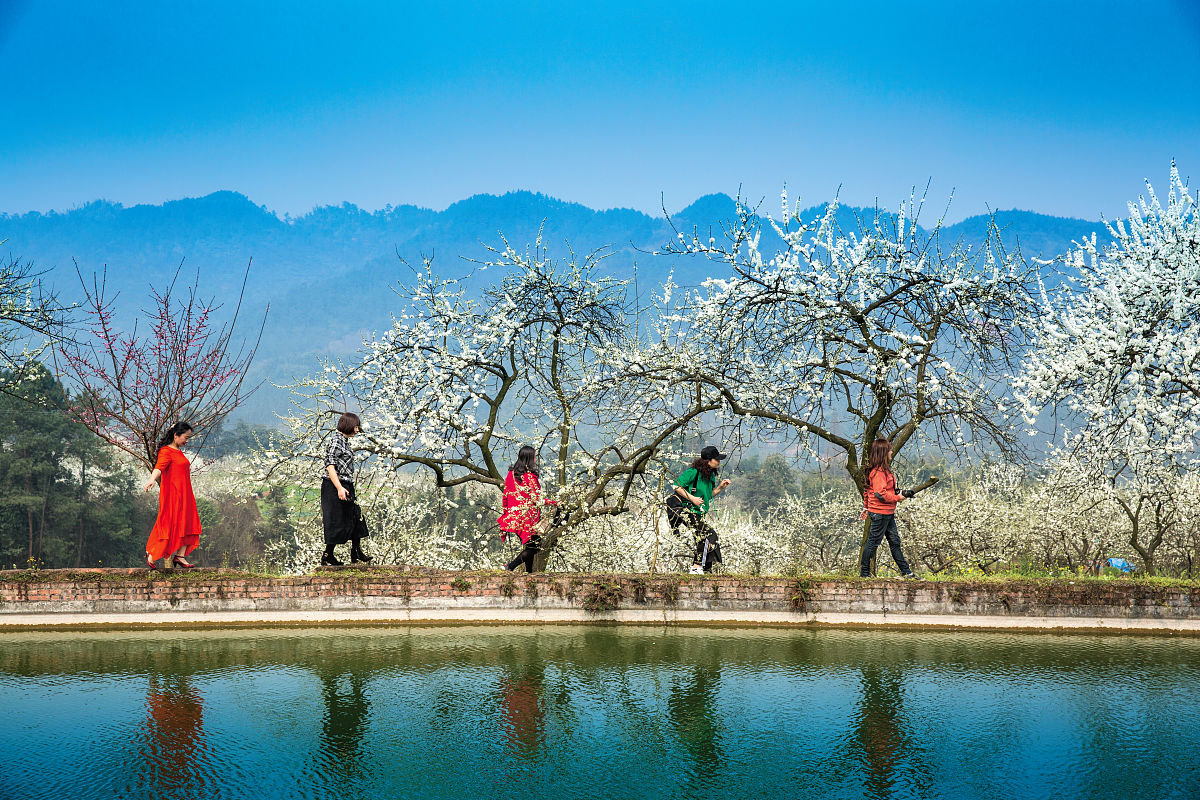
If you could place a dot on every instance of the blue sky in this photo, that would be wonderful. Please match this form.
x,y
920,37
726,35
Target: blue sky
x,y
1058,107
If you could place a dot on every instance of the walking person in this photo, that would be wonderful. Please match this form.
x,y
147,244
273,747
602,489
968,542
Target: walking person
x,y
340,513
176,531
523,503
688,504
879,503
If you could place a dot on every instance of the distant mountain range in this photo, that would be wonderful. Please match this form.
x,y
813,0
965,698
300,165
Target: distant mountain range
x,y
327,275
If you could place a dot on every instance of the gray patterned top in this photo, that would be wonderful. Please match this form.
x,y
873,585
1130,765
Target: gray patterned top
x,y
339,456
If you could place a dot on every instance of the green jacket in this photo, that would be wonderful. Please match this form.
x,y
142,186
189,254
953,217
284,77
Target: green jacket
x,y
703,489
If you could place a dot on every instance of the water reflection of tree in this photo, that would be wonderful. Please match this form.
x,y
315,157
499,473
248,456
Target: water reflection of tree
x,y
523,704
345,722
174,747
889,756
692,706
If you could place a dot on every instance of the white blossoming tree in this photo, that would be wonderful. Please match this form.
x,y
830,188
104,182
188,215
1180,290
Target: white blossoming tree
x,y
1119,354
462,379
833,338
836,337
1121,350
31,319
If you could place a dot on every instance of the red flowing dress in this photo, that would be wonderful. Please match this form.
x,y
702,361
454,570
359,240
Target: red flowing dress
x,y
178,522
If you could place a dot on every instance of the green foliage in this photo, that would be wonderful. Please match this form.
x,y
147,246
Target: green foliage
x,y
768,484
240,439
602,596
210,515
801,592
64,500
233,529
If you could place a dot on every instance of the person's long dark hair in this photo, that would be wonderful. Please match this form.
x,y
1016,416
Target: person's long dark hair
x,y
178,429
526,462
706,470
879,457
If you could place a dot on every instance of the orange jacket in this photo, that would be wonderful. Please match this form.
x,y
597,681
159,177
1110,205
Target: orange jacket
x,y
884,482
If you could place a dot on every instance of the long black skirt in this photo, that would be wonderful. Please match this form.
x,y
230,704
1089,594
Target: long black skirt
x,y
341,517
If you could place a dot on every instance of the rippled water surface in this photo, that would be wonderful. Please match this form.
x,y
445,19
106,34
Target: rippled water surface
x,y
580,712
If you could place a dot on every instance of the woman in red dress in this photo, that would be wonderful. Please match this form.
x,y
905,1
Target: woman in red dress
x,y
177,530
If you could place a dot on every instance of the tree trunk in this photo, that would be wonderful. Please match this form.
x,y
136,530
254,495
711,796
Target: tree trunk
x,y
862,548
29,519
82,511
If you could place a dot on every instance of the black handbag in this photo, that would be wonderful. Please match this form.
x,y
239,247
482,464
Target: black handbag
x,y
360,524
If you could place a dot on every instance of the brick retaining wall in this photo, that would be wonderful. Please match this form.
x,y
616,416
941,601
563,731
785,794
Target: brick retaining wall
x,y
398,593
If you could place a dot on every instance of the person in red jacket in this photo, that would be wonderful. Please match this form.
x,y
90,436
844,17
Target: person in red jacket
x,y
879,501
523,503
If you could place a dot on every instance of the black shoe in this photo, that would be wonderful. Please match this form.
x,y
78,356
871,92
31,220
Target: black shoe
x,y
358,556
328,559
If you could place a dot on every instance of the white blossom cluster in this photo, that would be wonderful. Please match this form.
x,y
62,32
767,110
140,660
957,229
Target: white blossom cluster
x,y
30,320
1121,350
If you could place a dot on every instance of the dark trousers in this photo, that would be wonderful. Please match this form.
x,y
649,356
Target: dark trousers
x,y
705,535
883,526
527,554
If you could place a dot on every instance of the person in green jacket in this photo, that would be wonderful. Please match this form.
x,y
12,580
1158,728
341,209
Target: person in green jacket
x,y
693,492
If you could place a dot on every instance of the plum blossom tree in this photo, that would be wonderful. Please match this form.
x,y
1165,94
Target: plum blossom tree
x,y
31,320
834,338
1122,349
1120,353
130,387
461,380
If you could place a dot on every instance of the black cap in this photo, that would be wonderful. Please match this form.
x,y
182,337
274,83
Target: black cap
x,y
711,452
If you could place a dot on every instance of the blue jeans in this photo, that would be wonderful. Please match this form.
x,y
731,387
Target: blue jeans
x,y
883,525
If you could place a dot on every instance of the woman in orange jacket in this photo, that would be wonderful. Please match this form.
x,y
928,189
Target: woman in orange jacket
x,y
879,501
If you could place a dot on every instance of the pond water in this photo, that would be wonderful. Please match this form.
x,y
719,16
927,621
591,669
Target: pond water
x,y
580,712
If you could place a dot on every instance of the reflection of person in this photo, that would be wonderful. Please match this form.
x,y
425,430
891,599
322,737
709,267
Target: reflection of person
x,y
175,717
692,706
522,698
523,503
340,514
345,720
890,757
694,490
880,499
176,531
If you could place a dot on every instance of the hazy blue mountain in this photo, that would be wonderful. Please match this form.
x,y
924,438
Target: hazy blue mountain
x,y
328,274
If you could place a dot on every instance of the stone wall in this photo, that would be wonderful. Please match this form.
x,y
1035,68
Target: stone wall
x,y
51,597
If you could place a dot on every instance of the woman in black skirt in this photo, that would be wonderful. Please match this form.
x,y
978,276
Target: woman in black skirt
x,y
339,511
